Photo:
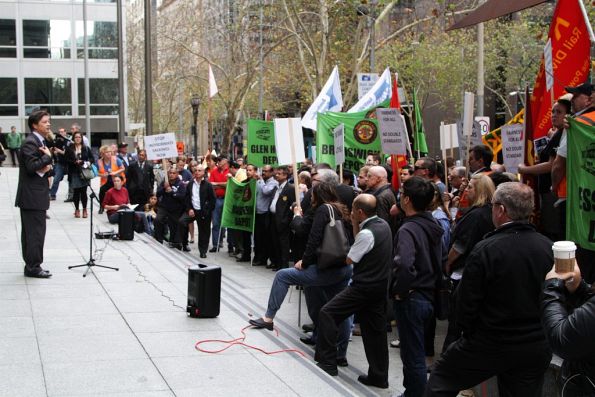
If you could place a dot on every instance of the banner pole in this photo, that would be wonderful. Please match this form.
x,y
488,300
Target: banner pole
x,y
295,174
587,22
452,149
443,139
340,173
210,125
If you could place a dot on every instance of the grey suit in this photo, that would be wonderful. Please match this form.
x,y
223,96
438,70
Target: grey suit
x,y
33,200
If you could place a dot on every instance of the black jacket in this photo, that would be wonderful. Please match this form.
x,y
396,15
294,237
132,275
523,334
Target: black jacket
x,y
283,214
70,156
33,191
418,256
569,323
140,178
172,201
385,200
499,294
207,198
469,230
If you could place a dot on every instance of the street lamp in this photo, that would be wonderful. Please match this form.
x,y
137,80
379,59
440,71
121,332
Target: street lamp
x,y
195,102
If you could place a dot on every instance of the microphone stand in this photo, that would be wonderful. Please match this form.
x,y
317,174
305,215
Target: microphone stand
x,y
91,262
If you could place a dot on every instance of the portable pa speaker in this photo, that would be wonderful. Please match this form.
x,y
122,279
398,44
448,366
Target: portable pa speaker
x,y
126,225
204,291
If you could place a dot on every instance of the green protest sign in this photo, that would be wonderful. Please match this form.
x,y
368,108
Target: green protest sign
x,y
361,137
261,143
580,174
239,205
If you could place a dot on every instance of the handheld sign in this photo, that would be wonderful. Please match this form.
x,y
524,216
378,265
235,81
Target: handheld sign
x,y
339,136
448,136
513,148
289,141
549,67
393,131
468,113
162,146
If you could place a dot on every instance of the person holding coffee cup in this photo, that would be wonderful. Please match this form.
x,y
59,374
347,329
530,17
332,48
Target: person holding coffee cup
x,y
570,332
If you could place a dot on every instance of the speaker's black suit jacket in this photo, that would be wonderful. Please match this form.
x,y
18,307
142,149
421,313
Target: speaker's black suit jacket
x,y
33,191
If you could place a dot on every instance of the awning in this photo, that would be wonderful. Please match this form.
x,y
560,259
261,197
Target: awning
x,y
494,9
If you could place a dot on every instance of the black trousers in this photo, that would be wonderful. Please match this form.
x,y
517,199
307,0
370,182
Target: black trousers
x,y
204,229
469,361
261,240
169,219
80,197
279,243
14,155
32,238
370,305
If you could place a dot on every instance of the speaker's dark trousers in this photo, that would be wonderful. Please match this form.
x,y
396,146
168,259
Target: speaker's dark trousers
x,y
169,218
370,306
33,238
469,361
261,238
204,230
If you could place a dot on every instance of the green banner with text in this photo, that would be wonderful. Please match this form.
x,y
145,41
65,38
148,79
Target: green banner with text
x,y
261,143
580,174
239,205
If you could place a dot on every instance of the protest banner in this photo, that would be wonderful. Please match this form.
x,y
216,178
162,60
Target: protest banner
x,y
513,148
239,205
162,146
261,143
580,174
361,138
475,139
289,141
339,139
393,131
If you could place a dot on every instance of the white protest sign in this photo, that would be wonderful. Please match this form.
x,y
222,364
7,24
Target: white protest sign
x,y
549,67
393,131
162,146
484,124
468,113
289,141
339,136
513,148
449,137
475,139
365,81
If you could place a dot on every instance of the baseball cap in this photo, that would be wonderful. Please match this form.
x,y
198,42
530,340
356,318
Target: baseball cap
x,y
584,88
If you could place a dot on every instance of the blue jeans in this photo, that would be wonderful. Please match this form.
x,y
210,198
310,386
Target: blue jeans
x,y
58,176
411,315
217,213
308,277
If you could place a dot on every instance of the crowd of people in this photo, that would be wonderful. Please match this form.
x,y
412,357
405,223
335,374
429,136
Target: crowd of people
x,y
474,234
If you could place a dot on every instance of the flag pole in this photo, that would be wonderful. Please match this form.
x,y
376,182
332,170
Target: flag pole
x,y
443,138
295,174
586,17
210,124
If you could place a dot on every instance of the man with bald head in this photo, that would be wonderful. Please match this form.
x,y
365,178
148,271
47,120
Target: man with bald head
x,y
370,256
379,186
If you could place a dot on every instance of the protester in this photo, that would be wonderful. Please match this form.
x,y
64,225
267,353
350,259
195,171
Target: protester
x,y
114,199
78,157
427,168
305,183
243,238
280,210
379,186
140,179
417,263
199,204
14,141
151,213
480,159
406,173
372,160
171,195
108,166
126,158
32,196
218,178
61,142
499,306
366,296
568,318
266,186
362,179
182,170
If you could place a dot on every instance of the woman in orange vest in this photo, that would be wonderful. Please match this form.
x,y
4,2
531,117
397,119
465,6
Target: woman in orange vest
x,y
108,166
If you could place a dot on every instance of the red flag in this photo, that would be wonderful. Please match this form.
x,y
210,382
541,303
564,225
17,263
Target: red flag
x,y
570,58
395,103
394,159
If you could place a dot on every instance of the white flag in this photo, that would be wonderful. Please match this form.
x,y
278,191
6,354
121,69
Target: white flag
x,y
380,92
329,99
213,90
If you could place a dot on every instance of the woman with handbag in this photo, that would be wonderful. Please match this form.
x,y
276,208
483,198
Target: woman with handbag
x,y
78,158
326,213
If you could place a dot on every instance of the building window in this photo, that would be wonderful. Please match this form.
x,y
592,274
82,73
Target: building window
x,y
8,97
8,38
51,94
102,40
46,39
103,97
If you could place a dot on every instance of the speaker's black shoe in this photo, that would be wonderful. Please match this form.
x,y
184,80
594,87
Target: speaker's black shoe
x,y
372,382
260,323
40,274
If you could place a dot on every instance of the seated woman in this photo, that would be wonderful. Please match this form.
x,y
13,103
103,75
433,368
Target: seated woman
x,y
116,198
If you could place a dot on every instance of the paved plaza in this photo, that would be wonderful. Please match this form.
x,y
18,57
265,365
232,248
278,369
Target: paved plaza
x,y
126,333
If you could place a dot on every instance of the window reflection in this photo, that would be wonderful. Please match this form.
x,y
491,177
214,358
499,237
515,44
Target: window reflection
x,y
102,39
52,94
8,97
8,39
46,39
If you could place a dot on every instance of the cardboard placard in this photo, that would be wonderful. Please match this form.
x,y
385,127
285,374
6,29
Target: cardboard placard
x,y
162,146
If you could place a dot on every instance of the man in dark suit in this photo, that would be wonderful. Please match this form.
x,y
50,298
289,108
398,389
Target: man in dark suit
x,y
33,196
199,204
140,179
281,218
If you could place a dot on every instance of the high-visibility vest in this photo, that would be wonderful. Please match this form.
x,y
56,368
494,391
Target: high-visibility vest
x,y
114,167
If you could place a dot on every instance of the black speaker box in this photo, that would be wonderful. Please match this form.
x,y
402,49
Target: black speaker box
x,y
204,291
126,225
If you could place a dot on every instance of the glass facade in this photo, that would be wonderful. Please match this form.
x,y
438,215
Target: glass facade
x,y
102,39
52,94
103,96
8,97
46,39
8,38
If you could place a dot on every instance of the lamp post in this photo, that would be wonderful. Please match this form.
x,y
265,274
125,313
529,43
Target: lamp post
x,y
195,102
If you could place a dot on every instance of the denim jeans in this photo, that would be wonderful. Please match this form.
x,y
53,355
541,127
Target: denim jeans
x,y
411,315
308,277
58,176
217,213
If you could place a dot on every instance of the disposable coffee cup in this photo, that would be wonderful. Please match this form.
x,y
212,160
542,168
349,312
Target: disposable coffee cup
x,y
564,256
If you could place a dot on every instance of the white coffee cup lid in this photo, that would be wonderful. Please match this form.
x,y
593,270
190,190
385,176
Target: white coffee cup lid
x,y
564,246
